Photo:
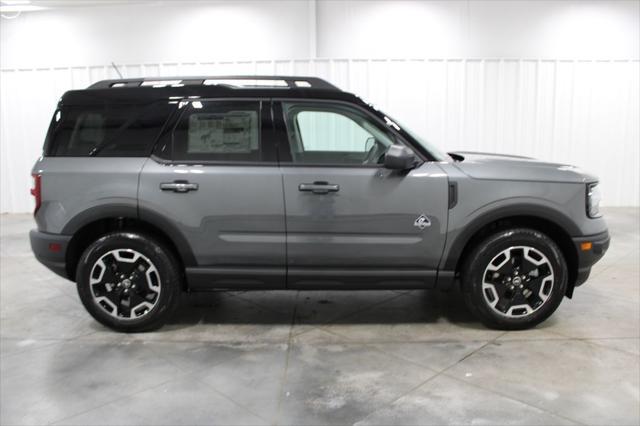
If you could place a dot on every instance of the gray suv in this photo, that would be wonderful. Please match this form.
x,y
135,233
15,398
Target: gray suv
x,y
149,188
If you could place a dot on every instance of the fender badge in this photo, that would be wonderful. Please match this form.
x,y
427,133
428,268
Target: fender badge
x,y
422,222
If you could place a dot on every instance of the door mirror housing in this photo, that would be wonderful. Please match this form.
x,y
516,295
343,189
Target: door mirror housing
x,y
399,157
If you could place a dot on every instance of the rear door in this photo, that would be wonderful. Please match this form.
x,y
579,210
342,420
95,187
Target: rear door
x,y
214,178
351,222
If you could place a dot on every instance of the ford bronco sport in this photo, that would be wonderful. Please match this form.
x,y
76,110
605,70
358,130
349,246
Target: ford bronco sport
x,y
148,188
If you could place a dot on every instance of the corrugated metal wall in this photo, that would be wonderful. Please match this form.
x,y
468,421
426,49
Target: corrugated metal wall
x,y
581,112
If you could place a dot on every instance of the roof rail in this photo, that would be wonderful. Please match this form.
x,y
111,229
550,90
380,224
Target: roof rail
x,y
236,81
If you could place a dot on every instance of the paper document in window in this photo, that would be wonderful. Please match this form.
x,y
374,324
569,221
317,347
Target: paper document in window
x,y
234,132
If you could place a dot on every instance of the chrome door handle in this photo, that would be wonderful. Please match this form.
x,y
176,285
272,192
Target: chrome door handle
x,y
179,186
319,187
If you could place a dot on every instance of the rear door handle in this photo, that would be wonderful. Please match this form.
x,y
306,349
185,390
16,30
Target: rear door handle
x,y
319,187
179,186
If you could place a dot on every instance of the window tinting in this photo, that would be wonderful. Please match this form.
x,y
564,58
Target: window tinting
x,y
106,131
330,131
328,134
218,131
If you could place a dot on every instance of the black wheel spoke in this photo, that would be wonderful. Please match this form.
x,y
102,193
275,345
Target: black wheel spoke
x,y
109,279
123,283
136,299
506,269
528,267
534,285
494,277
138,268
130,301
517,276
534,301
517,259
114,296
112,265
533,293
544,271
503,305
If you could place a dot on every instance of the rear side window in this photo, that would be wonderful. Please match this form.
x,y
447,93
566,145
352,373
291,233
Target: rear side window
x,y
107,130
218,131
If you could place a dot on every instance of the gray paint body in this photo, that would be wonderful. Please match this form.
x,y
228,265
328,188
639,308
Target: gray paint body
x,y
366,229
252,226
491,185
488,183
72,187
245,217
369,221
236,216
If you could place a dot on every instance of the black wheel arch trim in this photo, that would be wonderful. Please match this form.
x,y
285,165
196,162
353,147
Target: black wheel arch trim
x,y
93,214
521,210
127,211
172,232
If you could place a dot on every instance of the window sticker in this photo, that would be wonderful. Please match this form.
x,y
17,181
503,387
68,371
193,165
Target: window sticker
x,y
235,132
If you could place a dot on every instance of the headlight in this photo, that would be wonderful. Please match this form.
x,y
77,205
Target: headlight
x,y
593,200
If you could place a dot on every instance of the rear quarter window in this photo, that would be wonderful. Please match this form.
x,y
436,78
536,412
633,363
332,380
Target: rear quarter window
x,y
106,130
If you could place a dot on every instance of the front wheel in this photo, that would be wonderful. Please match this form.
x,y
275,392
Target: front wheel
x,y
514,279
128,281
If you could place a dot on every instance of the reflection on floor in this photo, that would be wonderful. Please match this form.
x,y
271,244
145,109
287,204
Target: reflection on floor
x,y
380,357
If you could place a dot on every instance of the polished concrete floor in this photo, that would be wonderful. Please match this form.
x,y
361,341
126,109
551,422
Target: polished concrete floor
x,y
380,357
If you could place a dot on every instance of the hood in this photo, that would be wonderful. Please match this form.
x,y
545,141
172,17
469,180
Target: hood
x,y
480,165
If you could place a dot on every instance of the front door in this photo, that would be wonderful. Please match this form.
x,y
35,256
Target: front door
x,y
350,222
217,183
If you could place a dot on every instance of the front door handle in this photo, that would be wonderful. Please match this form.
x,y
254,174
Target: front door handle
x,y
179,186
319,187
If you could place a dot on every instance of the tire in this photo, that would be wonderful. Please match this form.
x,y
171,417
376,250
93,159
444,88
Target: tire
x,y
508,299
128,281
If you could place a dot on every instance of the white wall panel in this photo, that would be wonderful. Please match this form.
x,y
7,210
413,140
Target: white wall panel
x,y
579,112
574,29
159,31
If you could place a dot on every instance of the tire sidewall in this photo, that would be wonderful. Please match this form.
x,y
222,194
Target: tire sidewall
x,y
492,246
161,258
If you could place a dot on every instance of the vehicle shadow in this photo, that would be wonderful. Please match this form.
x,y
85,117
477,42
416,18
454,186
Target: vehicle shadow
x,y
324,307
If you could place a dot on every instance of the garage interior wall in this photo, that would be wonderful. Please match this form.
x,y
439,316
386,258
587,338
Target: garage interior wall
x,y
556,80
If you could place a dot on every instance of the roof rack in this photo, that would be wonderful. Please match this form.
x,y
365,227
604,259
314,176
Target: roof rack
x,y
236,82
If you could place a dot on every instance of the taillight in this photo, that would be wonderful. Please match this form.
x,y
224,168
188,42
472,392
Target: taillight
x,y
36,191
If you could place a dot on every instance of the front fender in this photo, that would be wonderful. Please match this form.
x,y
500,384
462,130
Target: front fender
x,y
462,230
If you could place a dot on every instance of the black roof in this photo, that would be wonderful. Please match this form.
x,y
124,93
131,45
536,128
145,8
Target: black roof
x,y
145,90
235,81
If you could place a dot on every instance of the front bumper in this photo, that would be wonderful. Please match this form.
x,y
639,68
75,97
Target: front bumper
x,y
588,257
50,250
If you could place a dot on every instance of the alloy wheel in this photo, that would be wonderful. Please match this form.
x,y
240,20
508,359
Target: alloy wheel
x,y
125,284
518,281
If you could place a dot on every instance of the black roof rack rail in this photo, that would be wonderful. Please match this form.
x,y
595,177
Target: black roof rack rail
x,y
234,81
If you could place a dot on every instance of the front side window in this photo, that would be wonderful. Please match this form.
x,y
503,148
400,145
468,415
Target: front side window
x,y
218,131
334,134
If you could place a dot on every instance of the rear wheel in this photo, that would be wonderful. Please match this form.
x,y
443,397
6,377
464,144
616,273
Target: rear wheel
x,y
514,279
128,282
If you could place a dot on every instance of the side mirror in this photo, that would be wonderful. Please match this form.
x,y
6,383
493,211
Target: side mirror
x,y
399,157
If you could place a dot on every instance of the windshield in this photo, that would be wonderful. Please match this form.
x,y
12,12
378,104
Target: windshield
x,y
433,150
